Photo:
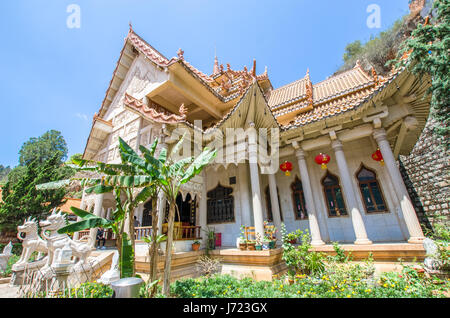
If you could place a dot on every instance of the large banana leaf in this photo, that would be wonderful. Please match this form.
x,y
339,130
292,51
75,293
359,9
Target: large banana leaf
x,y
53,185
88,221
126,258
199,163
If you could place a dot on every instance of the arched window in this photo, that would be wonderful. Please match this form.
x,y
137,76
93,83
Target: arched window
x,y
370,191
269,205
333,195
220,205
298,199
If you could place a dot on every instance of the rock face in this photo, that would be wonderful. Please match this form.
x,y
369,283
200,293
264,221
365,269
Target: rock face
x,y
426,172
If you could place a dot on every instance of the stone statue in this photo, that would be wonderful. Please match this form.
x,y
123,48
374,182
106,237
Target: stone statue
x,y
432,263
31,242
57,241
4,257
113,274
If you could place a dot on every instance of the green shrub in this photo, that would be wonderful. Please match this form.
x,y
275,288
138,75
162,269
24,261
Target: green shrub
x,y
12,260
91,290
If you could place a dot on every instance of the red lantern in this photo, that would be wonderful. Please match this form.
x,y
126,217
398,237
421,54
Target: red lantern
x,y
286,167
322,159
377,156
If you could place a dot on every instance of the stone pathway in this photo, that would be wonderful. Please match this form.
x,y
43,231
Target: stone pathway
x,y
8,292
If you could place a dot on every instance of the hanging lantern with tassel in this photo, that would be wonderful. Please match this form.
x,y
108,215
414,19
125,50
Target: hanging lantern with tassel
x,y
322,159
377,156
286,167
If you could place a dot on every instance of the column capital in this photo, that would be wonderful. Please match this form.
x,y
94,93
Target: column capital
x,y
379,134
336,145
300,154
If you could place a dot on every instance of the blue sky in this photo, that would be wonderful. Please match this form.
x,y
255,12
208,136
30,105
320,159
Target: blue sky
x,y
54,77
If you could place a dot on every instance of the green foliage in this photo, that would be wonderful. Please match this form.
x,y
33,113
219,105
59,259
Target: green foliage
x,y
126,261
430,45
352,50
377,51
22,199
4,171
12,260
338,281
146,289
300,259
340,256
43,148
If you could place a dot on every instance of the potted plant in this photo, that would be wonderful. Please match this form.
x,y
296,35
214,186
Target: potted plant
x,y
292,238
291,276
258,245
196,245
242,239
251,245
272,244
265,243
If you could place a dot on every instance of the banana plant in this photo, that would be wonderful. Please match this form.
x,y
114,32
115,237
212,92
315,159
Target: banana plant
x,y
122,180
169,175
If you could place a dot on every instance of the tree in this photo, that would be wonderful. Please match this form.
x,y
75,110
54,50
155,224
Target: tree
x,y
22,200
352,50
169,176
429,47
43,148
4,171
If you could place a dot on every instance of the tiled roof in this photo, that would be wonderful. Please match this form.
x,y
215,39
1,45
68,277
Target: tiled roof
x,y
154,111
340,94
288,93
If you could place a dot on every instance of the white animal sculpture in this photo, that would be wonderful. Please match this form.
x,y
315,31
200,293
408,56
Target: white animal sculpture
x,y
4,257
431,262
113,274
55,241
31,242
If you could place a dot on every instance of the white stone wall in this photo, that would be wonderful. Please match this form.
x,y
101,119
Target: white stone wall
x,y
380,227
230,231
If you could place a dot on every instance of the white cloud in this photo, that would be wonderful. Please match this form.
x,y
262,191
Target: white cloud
x,y
82,116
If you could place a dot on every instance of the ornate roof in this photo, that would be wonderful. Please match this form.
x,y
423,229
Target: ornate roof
x,y
155,111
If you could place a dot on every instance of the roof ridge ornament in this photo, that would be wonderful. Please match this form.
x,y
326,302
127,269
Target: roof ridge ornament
x,y
180,54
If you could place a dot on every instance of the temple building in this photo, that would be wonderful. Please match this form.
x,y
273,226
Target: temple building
x,y
339,137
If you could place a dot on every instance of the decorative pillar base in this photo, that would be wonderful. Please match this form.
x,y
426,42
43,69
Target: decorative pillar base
x,y
416,240
362,242
317,243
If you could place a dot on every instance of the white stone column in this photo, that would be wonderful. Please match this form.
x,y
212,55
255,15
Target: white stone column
x,y
203,209
314,229
256,188
409,214
97,211
244,194
349,193
274,203
76,235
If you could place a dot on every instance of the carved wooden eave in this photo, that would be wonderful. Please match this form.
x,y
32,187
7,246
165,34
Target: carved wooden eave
x,y
98,134
154,112
401,88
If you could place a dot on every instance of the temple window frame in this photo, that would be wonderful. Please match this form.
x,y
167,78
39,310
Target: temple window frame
x,y
210,199
269,204
302,199
335,200
372,196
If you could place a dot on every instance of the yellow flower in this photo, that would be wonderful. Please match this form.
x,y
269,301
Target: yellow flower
x,y
348,296
193,294
392,285
368,290
385,285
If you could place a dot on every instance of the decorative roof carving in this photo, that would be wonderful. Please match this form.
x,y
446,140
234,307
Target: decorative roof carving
x,y
155,111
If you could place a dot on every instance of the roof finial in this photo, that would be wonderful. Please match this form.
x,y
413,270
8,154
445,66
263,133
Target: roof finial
x,y
180,53
307,73
131,26
216,66
254,68
265,70
358,63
